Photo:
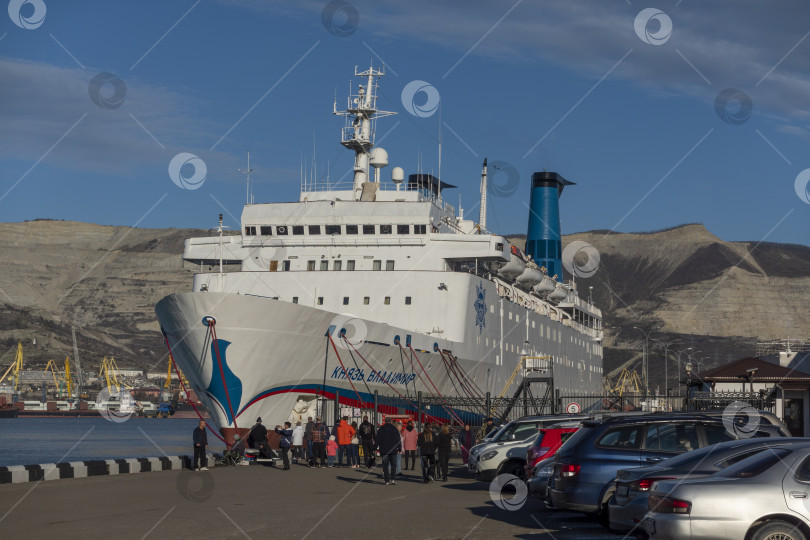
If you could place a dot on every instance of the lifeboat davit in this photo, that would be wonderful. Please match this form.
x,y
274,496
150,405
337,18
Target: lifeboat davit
x,y
530,277
515,267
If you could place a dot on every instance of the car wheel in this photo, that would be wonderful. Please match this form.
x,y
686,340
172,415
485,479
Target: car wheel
x,y
778,530
515,469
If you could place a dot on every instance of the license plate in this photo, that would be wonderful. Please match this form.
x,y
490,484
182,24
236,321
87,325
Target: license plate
x,y
649,526
622,490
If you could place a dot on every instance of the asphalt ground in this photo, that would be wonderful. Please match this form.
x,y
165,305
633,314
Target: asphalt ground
x,y
266,502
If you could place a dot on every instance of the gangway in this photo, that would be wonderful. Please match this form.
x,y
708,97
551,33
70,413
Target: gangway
x,y
536,370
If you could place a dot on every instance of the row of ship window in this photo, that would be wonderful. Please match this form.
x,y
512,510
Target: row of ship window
x,y
366,300
299,230
336,265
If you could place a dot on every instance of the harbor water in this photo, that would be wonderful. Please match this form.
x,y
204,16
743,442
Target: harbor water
x,y
30,441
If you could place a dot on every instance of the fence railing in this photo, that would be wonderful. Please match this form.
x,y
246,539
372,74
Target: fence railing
x,y
458,411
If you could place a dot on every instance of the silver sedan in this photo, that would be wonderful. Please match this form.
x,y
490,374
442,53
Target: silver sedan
x,y
763,497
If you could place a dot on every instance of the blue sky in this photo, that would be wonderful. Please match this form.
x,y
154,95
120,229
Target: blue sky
x,y
627,111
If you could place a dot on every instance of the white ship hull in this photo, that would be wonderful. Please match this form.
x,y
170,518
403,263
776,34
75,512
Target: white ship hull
x,y
274,355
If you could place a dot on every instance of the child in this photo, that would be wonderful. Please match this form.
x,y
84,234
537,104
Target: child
x,y
331,451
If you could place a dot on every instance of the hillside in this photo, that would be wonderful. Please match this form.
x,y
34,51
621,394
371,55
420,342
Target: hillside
x,y
715,296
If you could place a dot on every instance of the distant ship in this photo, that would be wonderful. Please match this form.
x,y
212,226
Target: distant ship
x,y
375,286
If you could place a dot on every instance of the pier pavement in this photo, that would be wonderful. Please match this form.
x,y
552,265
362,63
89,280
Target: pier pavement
x,y
266,502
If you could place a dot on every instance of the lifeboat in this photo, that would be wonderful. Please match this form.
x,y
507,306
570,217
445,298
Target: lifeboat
x,y
547,285
515,267
559,293
530,277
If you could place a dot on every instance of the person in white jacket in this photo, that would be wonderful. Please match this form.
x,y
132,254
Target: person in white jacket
x,y
298,442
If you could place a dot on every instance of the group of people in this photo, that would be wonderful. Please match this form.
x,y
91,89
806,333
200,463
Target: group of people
x,y
317,447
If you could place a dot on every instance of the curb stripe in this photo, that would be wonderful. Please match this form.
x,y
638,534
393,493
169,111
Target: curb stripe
x,y
20,474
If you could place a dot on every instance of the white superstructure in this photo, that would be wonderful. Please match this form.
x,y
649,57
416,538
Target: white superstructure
x,y
395,274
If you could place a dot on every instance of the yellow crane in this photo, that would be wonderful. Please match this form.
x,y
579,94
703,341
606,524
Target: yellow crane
x,y
68,380
15,368
168,383
627,379
109,369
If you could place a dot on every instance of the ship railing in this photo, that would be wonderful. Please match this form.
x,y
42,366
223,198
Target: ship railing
x,y
342,241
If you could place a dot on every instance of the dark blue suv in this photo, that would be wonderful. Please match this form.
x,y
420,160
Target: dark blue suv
x,y
586,465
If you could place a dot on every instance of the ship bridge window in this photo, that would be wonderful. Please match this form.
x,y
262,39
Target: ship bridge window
x,y
377,265
314,229
337,265
250,231
389,265
349,265
267,230
368,229
403,229
298,230
332,229
351,229
281,230
385,229
324,265
420,229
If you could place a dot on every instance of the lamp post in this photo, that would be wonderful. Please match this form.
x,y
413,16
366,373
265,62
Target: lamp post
x,y
679,353
666,365
645,359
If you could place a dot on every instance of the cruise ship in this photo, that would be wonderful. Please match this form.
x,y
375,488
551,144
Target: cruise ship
x,y
376,286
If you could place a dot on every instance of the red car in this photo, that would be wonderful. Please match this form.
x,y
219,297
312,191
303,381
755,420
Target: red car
x,y
545,445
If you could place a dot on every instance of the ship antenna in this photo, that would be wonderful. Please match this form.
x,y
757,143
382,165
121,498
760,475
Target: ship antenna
x,y
482,210
440,145
361,115
247,172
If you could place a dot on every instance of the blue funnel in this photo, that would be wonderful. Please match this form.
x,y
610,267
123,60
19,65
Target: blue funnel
x,y
543,240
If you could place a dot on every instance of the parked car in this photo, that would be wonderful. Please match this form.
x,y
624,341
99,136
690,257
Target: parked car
x,y
763,419
586,465
538,479
763,497
546,444
506,453
475,449
628,505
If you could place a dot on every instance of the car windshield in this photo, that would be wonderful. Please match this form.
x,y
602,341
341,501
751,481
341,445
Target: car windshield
x,y
517,431
756,464
493,434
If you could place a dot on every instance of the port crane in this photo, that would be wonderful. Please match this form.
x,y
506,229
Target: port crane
x,y
109,369
62,381
15,369
627,379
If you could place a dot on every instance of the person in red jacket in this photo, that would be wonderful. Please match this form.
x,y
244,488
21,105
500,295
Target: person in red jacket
x,y
409,437
345,434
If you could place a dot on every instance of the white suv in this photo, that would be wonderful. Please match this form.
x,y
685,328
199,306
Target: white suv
x,y
511,444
